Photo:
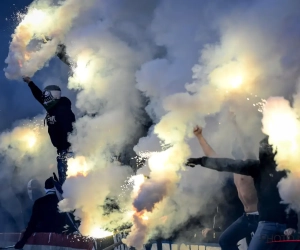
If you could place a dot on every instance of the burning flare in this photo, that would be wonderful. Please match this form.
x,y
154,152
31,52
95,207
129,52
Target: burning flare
x,y
99,233
78,166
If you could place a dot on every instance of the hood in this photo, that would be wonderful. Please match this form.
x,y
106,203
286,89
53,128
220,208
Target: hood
x,y
266,152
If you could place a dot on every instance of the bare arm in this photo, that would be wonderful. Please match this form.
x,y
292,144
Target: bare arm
x,y
207,149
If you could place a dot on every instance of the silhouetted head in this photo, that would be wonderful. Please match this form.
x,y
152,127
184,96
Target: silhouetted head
x,y
49,183
266,152
51,95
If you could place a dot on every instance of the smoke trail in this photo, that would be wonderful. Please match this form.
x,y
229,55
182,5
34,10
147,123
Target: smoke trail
x,y
281,123
26,54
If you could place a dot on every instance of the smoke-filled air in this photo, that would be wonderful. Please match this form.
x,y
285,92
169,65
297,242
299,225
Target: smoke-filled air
x,y
142,75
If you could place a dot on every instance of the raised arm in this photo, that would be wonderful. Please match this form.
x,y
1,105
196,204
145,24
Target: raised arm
x,y
36,92
248,167
207,149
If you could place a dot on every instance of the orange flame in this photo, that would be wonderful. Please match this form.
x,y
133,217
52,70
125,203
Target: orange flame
x,y
26,57
78,167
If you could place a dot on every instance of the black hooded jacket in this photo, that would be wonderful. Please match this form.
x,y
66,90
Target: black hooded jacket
x,y
59,119
45,217
266,179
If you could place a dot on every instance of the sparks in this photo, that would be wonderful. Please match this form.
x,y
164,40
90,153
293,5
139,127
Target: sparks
x,y
99,233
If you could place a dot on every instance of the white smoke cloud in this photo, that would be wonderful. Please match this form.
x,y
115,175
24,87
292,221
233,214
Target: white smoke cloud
x,y
281,123
193,60
244,65
40,23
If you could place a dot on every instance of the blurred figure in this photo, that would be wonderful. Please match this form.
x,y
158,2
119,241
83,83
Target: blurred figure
x,y
45,217
275,218
60,119
34,190
248,222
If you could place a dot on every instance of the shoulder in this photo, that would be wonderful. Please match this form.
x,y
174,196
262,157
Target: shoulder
x,y
65,101
40,201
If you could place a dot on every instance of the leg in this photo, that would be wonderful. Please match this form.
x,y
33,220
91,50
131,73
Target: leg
x,y
266,233
252,225
234,233
62,167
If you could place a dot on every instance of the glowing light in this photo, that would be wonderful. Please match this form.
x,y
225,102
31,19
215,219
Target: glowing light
x,y
137,181
29,138
159,161
231,75
26,58
31,141
35,16
81,71
99,233
145,217
236,81
77,166
281,123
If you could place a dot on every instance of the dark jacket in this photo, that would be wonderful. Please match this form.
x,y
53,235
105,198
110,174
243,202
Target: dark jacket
x,y
266,179
45,217
59,119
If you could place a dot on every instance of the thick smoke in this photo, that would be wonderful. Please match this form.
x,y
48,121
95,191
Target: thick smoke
x,y
20,151
281,123
246,63
39,24
193,60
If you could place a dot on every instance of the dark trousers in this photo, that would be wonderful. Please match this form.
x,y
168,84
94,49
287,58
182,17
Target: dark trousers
x,y
62,165
242,228
267,233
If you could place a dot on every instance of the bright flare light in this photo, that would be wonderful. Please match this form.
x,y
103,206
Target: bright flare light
x,y
35,16
137,180
280,123
236,81
145,217
31,141
230,75
77,166
81,71
28,137
99,233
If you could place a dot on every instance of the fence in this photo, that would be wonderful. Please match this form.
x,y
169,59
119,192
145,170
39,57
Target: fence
x,y
52,241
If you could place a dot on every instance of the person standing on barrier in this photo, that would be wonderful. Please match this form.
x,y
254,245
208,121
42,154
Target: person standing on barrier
x,y
60,119
275,218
